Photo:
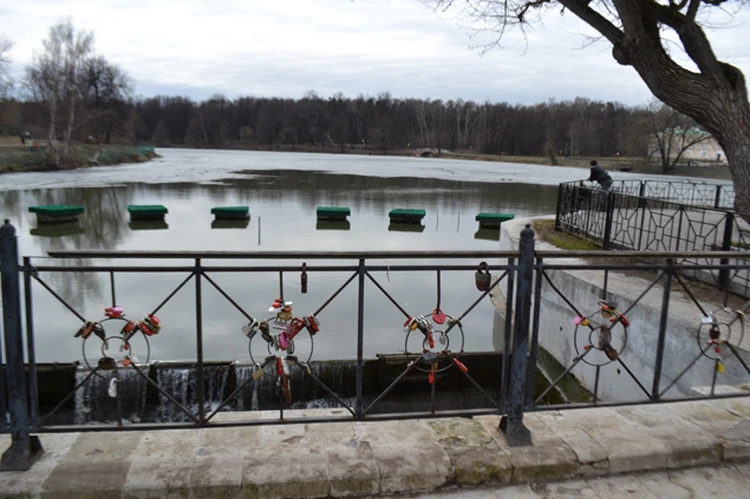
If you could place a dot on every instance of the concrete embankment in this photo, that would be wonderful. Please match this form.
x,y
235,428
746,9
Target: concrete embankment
x,y
644,292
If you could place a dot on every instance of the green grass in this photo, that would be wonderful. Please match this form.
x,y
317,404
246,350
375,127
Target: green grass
x,y
545,230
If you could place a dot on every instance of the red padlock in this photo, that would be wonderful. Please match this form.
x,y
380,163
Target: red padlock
x,y
279,366
294,328
431,340
312,324
460,365
431,377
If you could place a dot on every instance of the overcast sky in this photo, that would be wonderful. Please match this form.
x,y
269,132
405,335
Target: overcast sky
x,y
285,48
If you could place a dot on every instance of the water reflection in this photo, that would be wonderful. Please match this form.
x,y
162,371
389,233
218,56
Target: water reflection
x,y
283,209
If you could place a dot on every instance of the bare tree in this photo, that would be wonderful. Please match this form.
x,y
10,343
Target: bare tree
x,y
714,94
54,77
6,83
672,134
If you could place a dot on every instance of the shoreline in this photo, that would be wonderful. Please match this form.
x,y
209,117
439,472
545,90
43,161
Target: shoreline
x,y
21,159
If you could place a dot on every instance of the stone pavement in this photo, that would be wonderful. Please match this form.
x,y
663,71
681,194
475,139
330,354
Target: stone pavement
x,y
388,457
720,480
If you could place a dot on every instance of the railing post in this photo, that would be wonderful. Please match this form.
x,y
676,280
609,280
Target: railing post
x,y
608,219
558,225
659,361
642,195
717,198
24,448
512,422
726,245
360,337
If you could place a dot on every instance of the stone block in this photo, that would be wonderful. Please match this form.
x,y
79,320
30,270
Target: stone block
x,y
639,451
687,443
352,469
474,455
408,456
591,455
284,464
30,482
549,458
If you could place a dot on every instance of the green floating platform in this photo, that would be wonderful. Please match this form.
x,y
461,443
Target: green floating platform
x,y
332,212
492,219
408,216
147,211
231,212
405,227
56,213
332,224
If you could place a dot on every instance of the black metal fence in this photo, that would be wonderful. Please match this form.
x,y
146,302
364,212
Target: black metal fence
x,y
615,349
660,216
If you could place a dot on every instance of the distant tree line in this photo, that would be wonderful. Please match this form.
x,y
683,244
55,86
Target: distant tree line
x,y
72,94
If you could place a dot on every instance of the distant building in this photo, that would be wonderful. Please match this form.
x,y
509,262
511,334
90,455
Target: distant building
x,y
706,150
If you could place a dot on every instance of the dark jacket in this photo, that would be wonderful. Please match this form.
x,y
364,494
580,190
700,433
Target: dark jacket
x,y
600,175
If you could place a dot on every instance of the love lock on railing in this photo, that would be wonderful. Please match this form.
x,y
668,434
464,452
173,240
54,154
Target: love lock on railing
x,y
278,332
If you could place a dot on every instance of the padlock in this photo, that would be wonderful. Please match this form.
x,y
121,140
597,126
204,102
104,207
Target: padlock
x,y
286,389
408,322
258,374
285,314
99,331
112,389
424,325
623,320
127,332
312,324
150,325
303,278
460,365
431,340
265,332
114,312
294,328
431,376
283,343
107,364
438,316
483,278
85,330
279,367
429,357
443,339
251,328
720,367
610,352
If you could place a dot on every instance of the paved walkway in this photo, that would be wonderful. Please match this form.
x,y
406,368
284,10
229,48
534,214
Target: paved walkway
x,y
720,480
380,458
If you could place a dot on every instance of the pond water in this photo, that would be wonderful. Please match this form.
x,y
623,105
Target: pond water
x,y
282,191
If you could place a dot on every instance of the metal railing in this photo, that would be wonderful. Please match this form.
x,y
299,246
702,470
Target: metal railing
x,y
688,193
617,219
549,302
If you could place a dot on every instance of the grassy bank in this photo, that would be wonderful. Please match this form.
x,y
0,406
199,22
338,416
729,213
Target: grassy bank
x,y
18,158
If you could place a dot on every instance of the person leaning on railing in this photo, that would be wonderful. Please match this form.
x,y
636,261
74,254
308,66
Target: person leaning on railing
x,y
599,175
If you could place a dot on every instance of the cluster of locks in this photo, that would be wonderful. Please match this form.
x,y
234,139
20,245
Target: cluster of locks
x,y
286,327
149,326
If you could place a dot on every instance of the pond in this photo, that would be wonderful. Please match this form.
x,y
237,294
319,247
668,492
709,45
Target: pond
x,y
282,191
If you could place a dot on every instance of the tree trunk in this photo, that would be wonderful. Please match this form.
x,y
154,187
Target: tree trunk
x,y
716,97
69,127
53,157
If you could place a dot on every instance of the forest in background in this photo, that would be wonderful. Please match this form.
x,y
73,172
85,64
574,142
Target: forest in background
x,y
70,95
